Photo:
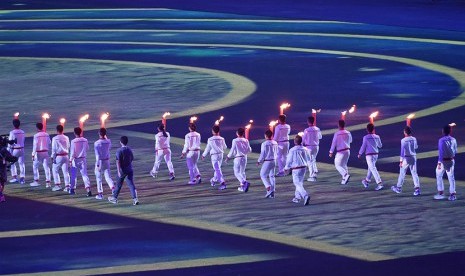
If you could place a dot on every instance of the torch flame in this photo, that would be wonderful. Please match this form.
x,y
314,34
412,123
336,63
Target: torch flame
x,y
273,123
374,114
250,121
411,116
285,105
314,111
16,114
352,109
62,120
452,124
217,122
46,116
165,115
84,118
301,134
193,119
104,116
344,112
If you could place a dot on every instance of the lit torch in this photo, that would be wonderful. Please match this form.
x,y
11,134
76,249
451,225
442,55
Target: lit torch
x,y
314,112
163,118
373,116
247,129
16,115
343,115
45,117
103,118
301,134
82,120
409,119
272,125
193,119
62,122
282,107
217,122
352,109
452,125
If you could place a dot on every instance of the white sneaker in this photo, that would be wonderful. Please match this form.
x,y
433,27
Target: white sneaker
x,y
56,188
240,189
222,186
345,179
47,184
192,182
416,192
269,194
365,183
439,196
112,199
212,182
452,197
396,189
99,197
66,189
379,187
295,200
13,180
135,201
153,174
311,179
306,200
34,184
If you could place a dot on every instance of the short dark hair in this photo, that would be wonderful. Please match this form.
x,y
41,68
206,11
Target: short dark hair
x,y
282,118
370,127
241,131
342,123
16,123
39,126
298,139
78,131
268,133
216,129
408,130
102,131
447,129
124,140
192,126
311,119
59,128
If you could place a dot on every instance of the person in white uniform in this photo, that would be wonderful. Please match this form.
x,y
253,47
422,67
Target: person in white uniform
x,y
40,146
60,159
447,147
281,136
191,151
239,149
17,150
215,148
370,146
311,140
102,162
297,162
408,160
162,150
78,160
341,145
268,154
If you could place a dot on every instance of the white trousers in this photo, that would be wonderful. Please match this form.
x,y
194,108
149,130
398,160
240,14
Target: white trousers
x,y
79,164
22,168
63,163
166,154
105,170
372,170
448,168
217,160
340,161
312,169
267,174
239,168
192,158
283,150
41,158
408,163
298,176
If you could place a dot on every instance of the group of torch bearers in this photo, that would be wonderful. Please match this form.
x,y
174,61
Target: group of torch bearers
x,y
275,154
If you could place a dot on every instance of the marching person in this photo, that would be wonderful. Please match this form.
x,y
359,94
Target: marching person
x,y
408,160
162,149
102,162
447,147
297,162
191,151
124,158
60,148
78,160
17,150
216,147
341,144
370,146
281,136
311,140
239,149
40,145
268,153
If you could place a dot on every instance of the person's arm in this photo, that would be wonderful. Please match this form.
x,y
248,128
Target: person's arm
x,y
186,146
262,153
333,145
118,164
207,149
232,151
363,147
